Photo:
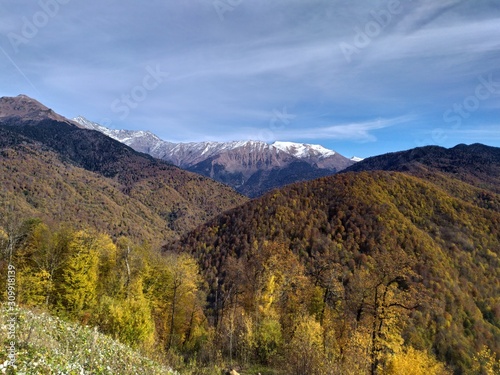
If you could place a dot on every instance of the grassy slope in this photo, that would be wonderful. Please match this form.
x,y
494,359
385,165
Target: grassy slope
x,y
48,345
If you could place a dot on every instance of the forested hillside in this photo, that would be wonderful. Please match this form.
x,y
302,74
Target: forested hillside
x,y
150,303
54,170
360,268
359,273
476,164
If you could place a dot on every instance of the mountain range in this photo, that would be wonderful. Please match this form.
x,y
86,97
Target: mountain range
x,y
250,167
477,165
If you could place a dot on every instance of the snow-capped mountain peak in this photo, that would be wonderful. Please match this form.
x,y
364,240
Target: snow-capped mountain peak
x,y
87,124
303,150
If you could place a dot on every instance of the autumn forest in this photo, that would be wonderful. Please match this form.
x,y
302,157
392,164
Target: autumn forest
x,y
389,267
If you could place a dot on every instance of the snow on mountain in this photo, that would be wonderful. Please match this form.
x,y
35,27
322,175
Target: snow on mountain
x,y
142,141
251,167
188,154
356,159
303,150
181,154
315,155
87,124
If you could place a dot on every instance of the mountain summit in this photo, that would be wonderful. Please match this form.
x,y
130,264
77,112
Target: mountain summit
x,y
250,167
25,108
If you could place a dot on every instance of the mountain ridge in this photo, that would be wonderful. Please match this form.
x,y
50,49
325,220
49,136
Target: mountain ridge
x,y
208,148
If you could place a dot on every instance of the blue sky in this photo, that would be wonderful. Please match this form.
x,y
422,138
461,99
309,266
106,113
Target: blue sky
x,y
360,77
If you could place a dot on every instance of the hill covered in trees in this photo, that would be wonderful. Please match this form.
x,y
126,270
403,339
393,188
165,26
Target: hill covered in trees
x,y
52,169
357,269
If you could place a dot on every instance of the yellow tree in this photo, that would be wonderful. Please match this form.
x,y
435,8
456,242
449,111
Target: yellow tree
x,y
173,287
283,297
410,361
77,290
129,319
125,310
304,353
45,252
486,362
183,301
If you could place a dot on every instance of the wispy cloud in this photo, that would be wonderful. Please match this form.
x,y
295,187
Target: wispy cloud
x,y
354,131
425,12
357,131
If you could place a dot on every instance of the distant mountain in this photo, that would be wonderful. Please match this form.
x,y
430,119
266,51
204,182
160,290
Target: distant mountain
x,y
250,167
53,168
256,167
